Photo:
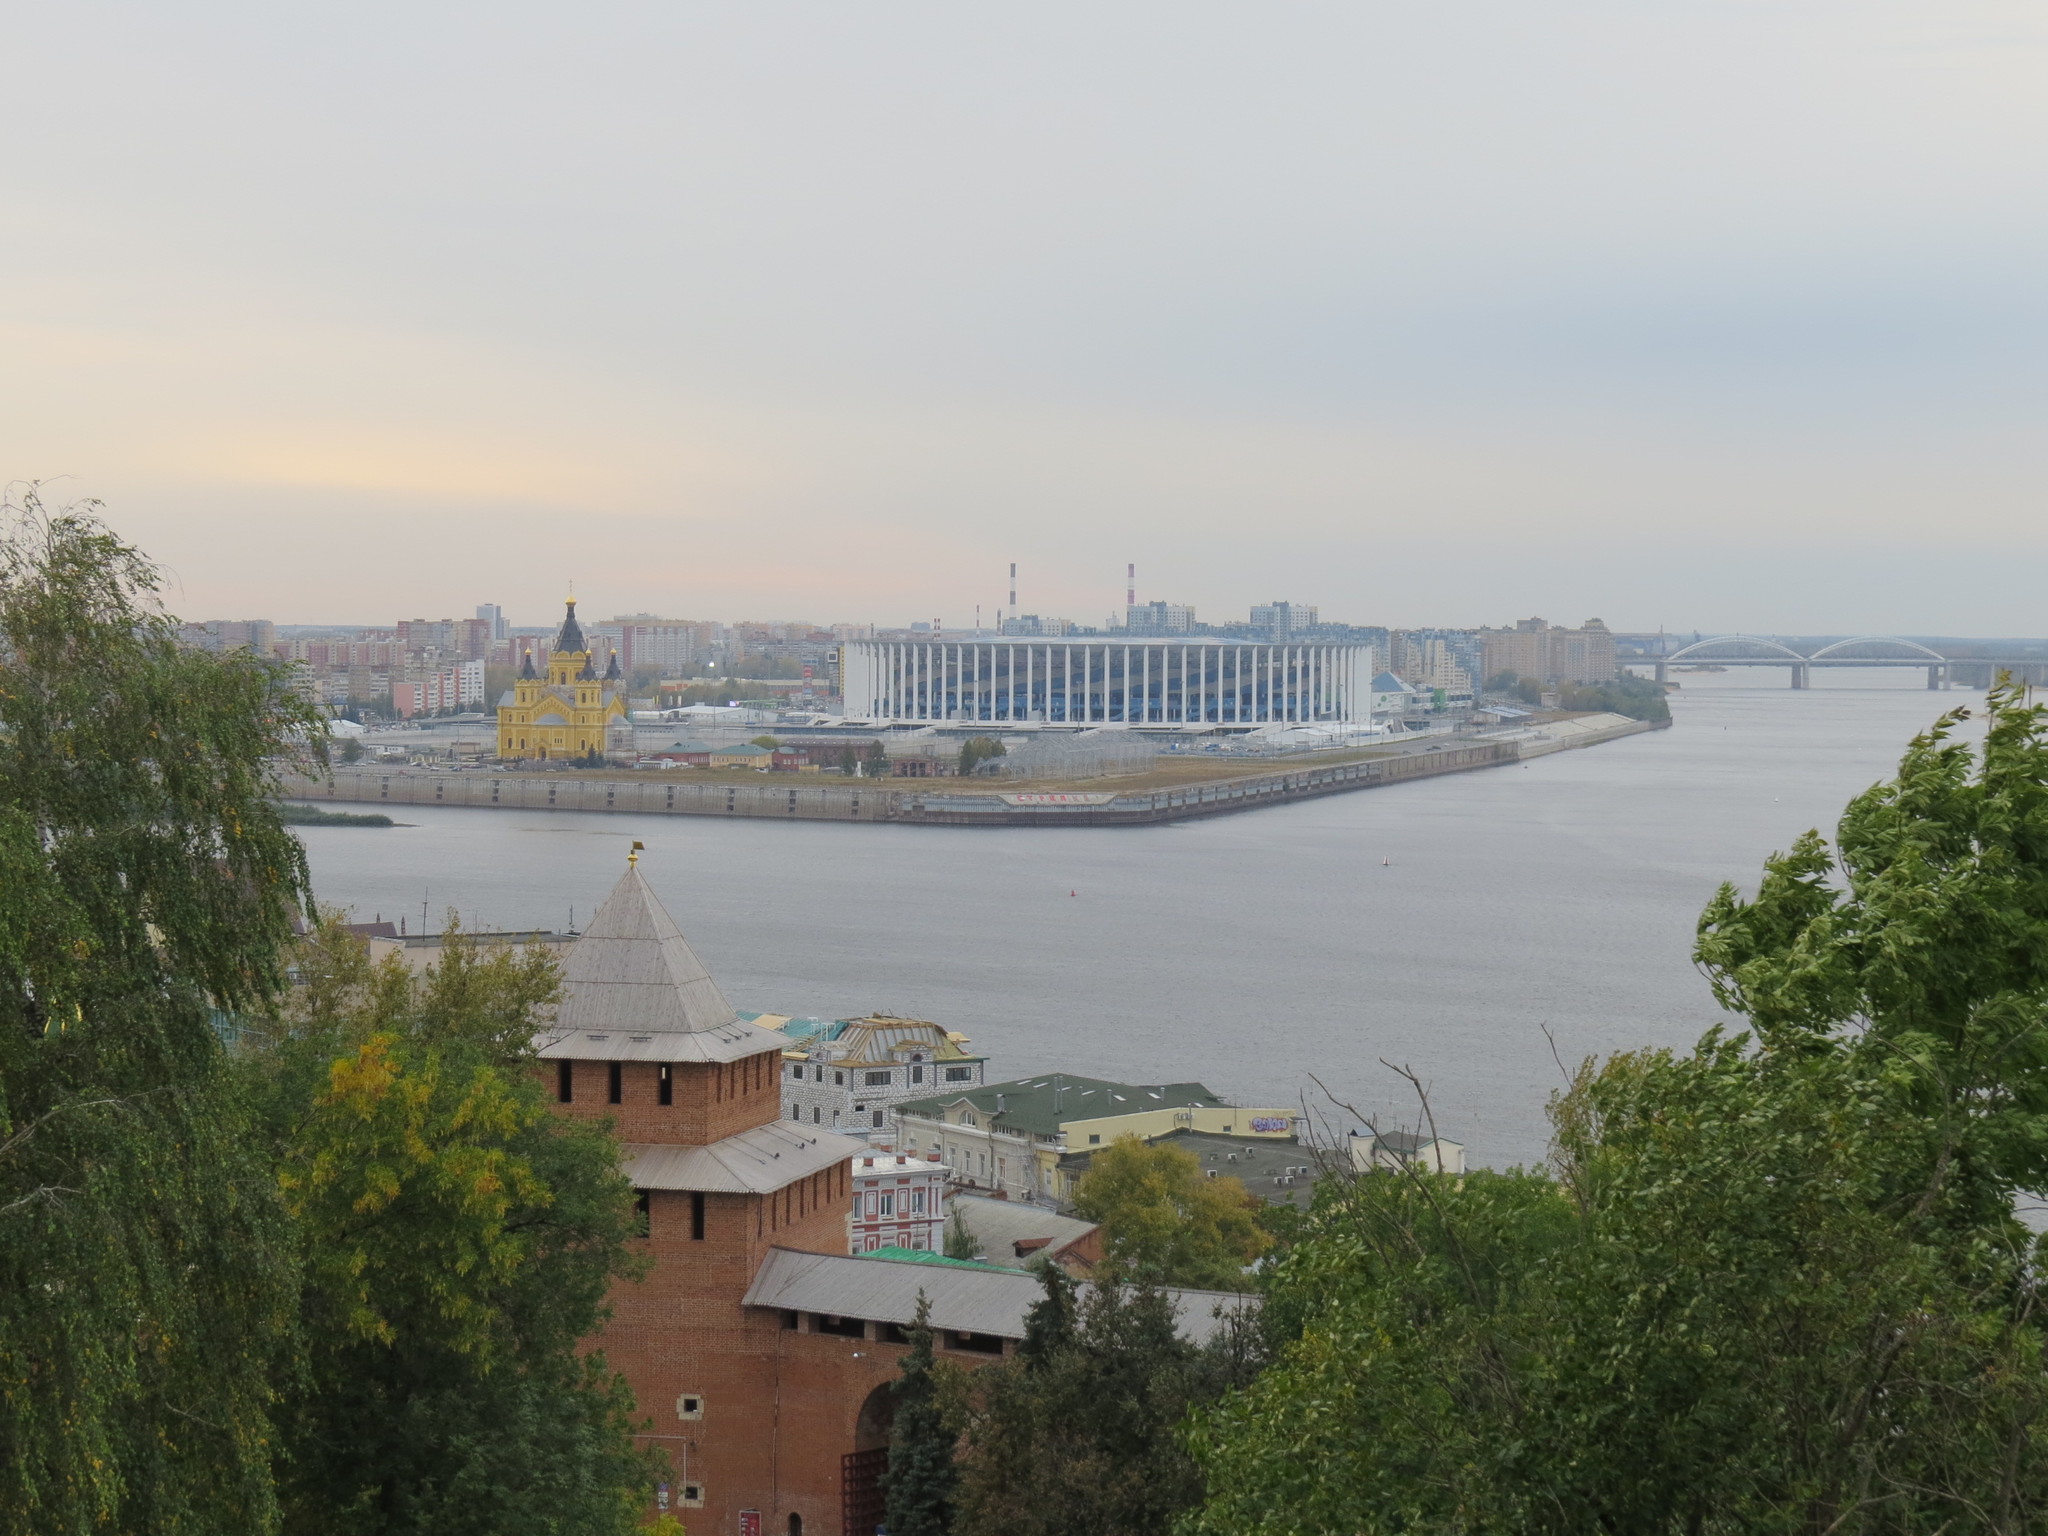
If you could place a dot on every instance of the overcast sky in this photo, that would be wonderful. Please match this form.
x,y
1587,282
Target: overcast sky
x,y
1703,315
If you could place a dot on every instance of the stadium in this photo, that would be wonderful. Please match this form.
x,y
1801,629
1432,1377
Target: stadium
x,y
1163,683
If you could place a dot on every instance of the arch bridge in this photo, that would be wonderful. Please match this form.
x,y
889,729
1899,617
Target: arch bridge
x,y
1857,651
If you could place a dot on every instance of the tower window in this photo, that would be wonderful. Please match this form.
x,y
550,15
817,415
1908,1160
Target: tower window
x,y
615,1085
643,1213
665,1084
697,1215
565,1082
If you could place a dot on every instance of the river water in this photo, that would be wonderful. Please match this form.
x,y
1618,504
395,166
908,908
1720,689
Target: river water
x,y
1442,925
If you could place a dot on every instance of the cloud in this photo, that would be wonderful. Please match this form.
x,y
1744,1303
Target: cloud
x,y
1410,311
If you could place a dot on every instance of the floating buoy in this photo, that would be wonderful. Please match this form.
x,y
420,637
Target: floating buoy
x,y
1073,893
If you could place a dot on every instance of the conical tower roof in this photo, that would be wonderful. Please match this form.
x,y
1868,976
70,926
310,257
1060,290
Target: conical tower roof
x,y
569,638
633,988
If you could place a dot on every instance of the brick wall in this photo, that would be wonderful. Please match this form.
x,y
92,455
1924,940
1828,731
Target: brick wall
x,y
777,1407
710,1102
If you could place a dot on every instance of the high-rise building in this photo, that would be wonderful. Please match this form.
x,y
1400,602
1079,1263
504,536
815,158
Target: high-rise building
x,y
1280,620
1032,624
1156,618
1534,648
258,635
493,615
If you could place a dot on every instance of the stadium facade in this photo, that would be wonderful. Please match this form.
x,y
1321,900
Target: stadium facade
x,y
1160,682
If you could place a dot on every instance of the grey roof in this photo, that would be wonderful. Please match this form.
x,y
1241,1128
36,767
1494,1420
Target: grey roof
x,y
508,698
1043,1104
1261,1163
757,1161
1386,682
999,1225
550,718
992,1301
569,638
633,989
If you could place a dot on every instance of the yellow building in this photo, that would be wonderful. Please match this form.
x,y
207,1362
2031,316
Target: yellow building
x,y
565,714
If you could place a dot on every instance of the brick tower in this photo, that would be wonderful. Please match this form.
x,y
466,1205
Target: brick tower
x,y
757,1413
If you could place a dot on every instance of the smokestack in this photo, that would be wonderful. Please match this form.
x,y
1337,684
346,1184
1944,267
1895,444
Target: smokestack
x,y
1131,589
1013,586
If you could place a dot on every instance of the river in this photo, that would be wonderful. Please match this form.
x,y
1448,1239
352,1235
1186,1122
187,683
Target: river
x,y
1442,925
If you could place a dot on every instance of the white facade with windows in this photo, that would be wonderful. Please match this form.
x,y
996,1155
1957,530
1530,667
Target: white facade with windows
x,y
899,1201
849,1077
1136,682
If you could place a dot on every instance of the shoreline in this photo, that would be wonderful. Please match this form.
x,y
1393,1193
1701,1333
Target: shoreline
x,y
864,800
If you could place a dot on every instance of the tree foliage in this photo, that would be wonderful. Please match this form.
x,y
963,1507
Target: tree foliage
x,y
457,1239
921,1480
1773,1285
1164,1220
977,750
1079,1433
146,888
1640,698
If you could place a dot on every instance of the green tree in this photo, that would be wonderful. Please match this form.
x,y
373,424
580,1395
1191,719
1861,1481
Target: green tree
x,y
767,741
458,1239
1079,1433
1773,1285
922,1480
876,764
1924,932
147,887
960,1243
351,750
977,750
1164,1219
848,763
1637,697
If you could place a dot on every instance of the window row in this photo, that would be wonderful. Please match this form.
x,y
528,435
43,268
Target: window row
x,y
729,1080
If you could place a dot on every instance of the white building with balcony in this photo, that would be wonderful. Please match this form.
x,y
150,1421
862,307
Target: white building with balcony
x,y
847,1075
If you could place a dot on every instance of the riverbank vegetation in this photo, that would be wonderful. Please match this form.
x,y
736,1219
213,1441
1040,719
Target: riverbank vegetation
x,y
1639,698
294,815
1777,1283
332,1280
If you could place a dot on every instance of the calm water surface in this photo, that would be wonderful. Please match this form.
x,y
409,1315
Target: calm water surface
x,y
1249,952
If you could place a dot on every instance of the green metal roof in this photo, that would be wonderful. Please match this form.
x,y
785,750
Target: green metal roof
x,y
1041,1105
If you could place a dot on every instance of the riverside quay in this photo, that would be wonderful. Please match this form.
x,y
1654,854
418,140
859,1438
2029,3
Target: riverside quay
x,y
1138,682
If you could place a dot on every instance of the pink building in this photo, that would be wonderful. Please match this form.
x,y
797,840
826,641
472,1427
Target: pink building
x,y
899,1201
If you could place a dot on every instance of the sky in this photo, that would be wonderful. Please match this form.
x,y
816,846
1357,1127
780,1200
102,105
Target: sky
x,y
1702,315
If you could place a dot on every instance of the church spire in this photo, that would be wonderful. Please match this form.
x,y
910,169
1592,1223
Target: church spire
x,y
570,637
611,672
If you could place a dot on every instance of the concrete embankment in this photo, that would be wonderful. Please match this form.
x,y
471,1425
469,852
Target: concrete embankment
x,y
790,799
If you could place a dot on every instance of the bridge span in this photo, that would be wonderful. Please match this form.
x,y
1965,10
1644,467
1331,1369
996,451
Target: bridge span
x,y
1857,651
